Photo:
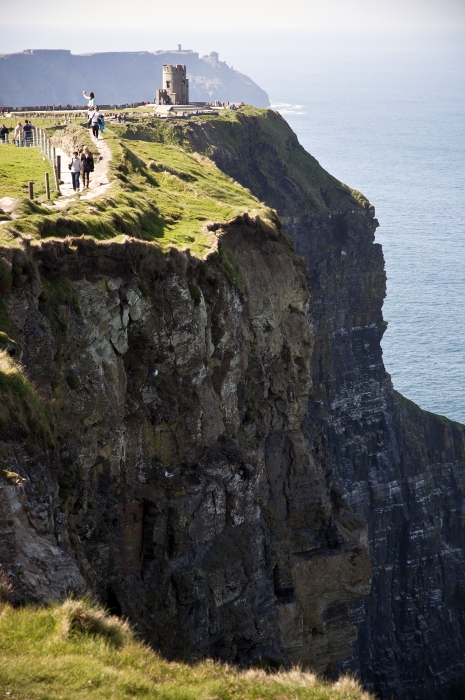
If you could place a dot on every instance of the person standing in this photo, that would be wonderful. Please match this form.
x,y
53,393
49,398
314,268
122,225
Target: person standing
x,y
87,167
4,131
90,104
18,134
94,117
91,98
27,132
75,167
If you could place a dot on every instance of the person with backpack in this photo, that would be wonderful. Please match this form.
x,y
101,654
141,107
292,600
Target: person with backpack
x,y
87,166
96,118
75,166
4,131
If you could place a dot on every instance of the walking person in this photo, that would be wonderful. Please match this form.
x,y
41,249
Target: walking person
x,y
101,123
94,117
87,167
4,131
75,166
18,134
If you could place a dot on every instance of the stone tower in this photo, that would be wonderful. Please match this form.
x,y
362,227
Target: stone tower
x,y
175,89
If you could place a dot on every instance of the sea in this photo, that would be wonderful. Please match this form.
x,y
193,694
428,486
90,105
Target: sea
x,y
387,117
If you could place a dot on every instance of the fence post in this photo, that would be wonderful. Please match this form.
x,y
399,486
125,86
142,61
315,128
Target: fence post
x,y
31,189
58,159
47,186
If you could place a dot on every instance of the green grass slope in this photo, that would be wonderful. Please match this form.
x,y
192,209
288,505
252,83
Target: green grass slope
x,y
75,651
169,181
18,166
260,149
161,193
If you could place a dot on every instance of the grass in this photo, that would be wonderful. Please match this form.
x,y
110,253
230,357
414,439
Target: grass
x,y
266,155
20,406
167,189
18,166
160,194
74,651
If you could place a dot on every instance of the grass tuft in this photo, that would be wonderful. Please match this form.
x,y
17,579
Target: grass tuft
x,y
85,617
21,406
6,587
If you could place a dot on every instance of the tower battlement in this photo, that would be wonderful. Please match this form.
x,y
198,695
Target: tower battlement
x,y
173,69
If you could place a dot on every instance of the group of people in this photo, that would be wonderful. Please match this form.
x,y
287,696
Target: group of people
x,y
81,163
23,135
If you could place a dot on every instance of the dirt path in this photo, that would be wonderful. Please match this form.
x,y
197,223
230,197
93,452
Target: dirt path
x,y
99,182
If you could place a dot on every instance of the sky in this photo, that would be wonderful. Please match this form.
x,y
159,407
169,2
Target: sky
x,y
147,25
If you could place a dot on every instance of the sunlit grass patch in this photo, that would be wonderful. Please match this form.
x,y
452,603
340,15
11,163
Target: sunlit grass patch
x,y
18,166
68,651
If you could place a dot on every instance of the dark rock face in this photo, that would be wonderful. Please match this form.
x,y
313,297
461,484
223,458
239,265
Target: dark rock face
x,y
400,467
52,77
183,487
249,550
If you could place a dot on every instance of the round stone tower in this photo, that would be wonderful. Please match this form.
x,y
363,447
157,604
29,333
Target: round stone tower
x,y
176,84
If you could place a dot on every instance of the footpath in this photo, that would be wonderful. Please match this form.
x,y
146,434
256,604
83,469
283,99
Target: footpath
x,y
98,183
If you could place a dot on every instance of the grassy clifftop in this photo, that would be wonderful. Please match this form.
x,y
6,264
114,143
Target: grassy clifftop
x,y
169,185
74,650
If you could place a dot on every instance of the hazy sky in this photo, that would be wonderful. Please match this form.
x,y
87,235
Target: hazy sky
x,y
217,14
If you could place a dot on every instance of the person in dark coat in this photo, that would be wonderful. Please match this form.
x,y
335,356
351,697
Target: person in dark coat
x,y
4,131
87,166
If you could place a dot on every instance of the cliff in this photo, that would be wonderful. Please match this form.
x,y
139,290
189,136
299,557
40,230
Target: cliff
x,y
253,378
400,467
168,472
46,77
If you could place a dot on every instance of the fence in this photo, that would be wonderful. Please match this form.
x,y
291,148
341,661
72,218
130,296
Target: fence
x,y
67,108
39,139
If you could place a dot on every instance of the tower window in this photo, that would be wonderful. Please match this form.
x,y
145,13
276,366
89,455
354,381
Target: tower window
x,y
168,84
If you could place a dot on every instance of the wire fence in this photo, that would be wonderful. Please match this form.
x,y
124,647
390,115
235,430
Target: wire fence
x,y
37,138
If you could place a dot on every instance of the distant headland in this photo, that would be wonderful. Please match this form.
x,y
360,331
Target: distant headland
x,y
42,76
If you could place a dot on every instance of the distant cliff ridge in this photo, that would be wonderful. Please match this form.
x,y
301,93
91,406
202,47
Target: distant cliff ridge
x,y
37,77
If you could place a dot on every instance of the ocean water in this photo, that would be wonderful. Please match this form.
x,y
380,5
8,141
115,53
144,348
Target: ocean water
x,y
390,121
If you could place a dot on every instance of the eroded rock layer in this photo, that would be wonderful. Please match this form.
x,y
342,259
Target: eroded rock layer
x,y
184,492
400,467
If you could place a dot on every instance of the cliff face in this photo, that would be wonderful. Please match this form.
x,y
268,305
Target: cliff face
x,y
400,467
51,77
181,488
269,404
